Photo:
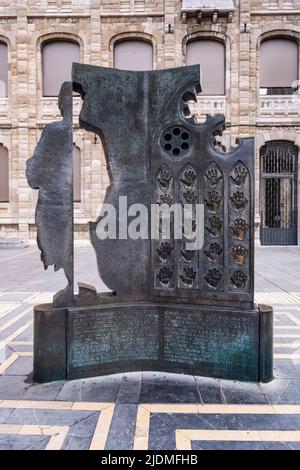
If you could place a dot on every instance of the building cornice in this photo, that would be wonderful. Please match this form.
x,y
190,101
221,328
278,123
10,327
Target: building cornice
x,y
58,15
274,12
130,15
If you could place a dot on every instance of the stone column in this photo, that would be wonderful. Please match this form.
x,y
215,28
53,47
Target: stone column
x,y
169,43
244,69
247,93
20,119
95,32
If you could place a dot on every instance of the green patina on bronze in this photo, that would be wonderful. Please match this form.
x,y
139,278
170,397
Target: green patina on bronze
x,y
170,308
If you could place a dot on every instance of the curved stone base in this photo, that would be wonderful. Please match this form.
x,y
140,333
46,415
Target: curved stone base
x,y
216,342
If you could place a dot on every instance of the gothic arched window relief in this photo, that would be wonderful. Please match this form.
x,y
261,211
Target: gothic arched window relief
x,y
210,54
57,59
278,66
133,55
3,70
4,175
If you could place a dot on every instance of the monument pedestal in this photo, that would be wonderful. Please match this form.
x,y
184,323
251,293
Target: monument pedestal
x,y
217,342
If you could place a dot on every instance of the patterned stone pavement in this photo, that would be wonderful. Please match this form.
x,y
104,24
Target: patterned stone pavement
x,y
146,410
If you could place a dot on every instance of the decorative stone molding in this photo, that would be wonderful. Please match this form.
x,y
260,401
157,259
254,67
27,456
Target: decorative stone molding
x,y
48,109
287,106
4,109
208,8
208,105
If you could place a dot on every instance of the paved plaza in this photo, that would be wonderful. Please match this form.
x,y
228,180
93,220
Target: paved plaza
x,y
147,410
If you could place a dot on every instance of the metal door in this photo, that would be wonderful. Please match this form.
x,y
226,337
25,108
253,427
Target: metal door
x,y
278,193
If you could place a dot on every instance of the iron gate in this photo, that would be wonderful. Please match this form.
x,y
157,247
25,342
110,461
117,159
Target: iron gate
x,y
278,193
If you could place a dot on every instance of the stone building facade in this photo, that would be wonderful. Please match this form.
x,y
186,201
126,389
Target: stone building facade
x,y
97,26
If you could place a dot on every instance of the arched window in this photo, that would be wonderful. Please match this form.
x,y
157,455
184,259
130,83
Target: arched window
x,y
133,55
278,66
4,174
76,174
210,54
3,70
57,59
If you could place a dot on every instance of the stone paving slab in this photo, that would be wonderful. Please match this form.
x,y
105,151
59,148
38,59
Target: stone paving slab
x,y
149,410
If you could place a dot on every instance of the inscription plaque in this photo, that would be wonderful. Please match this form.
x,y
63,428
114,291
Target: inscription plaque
x,y
165,337
106,337
213,341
